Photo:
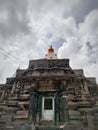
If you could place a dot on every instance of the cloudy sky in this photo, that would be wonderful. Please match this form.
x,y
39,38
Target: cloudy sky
x,y
28,27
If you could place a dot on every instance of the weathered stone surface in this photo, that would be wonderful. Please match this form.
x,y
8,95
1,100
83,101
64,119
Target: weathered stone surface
x,y
72,105
26,127
25,96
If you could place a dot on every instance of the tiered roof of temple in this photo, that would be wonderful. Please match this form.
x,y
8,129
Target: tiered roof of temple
x,y
49,94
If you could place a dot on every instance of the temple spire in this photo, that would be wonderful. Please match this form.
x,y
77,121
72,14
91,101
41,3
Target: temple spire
x,y
51,54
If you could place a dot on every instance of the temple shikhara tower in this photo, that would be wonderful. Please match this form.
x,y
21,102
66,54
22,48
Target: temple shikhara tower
x,y
49,95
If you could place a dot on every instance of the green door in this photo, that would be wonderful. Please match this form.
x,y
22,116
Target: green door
x,y
48,109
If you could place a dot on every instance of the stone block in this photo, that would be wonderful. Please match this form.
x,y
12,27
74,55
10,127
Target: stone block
x,y
7,119
11,109
12,103
17,125
22,115
25,96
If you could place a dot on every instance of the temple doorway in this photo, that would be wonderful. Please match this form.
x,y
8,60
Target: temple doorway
x,y
48,109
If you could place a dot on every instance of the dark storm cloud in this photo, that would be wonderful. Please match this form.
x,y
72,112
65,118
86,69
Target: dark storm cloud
x,y
81,9
13,17
14,13
77,8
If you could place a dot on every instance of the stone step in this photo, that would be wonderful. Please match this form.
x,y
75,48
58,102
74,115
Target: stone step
x,y
9,127
61,127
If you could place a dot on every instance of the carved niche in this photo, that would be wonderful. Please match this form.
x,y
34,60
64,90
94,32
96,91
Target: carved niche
x,y
46,85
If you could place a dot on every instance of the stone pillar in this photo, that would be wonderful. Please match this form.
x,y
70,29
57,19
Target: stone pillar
x,y
39,111
57,109
64,115
33,106
13,88
86,88
2,96
90,122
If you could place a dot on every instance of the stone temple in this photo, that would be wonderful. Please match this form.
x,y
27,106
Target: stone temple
x,y
49,95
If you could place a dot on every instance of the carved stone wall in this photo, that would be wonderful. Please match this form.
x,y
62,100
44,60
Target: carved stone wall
x,y
75,96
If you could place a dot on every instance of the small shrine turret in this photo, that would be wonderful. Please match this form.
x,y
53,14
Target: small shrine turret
x,y
51,54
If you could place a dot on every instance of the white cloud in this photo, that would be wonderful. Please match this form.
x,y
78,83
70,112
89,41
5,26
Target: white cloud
x,y
83,48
